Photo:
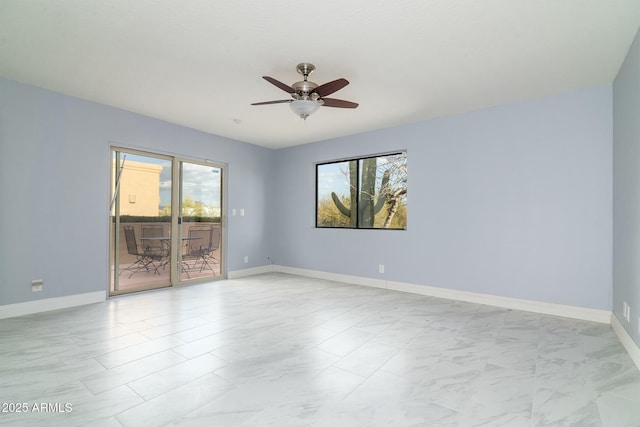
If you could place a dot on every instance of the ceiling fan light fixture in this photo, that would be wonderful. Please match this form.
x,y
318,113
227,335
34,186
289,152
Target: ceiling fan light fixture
x,y
307,95
304,107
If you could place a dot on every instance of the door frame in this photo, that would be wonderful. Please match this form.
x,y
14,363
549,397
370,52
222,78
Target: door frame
x,y
176,189
176,219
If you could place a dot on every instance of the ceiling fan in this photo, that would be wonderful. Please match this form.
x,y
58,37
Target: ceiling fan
x,y
307,96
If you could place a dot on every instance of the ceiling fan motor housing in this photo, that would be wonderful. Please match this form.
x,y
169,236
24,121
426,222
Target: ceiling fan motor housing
x,y
304,87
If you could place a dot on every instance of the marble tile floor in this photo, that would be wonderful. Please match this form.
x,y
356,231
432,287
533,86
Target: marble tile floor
x,y
282,350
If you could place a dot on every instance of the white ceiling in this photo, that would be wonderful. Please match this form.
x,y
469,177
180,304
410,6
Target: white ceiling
x,y
199,63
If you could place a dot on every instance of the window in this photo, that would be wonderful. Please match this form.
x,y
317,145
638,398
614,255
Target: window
x,y
368,192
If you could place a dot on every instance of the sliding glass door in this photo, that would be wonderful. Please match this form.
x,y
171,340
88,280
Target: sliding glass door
x,y
200,220
141,227
155,243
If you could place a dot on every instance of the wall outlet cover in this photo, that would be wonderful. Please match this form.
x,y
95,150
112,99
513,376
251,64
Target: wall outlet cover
x,y
36,285
626,311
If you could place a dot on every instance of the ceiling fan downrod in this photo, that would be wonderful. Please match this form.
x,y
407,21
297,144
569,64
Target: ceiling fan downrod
x,y
305,87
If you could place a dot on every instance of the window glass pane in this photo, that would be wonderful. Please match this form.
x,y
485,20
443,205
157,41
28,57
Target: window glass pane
x,y
383,192
144,232
368,192
201,191
201,202
336,194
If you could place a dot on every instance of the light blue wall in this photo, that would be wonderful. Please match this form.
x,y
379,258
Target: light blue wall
x,y
626,190
512,201
54,174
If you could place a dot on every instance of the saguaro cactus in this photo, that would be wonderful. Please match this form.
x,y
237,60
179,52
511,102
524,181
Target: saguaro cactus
x,y
368,205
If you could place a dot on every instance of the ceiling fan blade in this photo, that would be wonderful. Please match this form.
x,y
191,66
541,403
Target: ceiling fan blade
x,y
281,85
273,102
339,103
329,88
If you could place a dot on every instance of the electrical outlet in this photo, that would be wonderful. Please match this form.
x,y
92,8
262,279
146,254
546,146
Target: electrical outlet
x,y
381,268
36,285
246,259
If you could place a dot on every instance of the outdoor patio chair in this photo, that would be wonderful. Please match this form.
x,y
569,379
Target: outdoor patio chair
x,y
155,243
202,242
144,260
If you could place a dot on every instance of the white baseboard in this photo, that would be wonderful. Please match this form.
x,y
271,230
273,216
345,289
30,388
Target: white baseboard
x,y
249,271
573,312
626,340
355,280
48,304
590,314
